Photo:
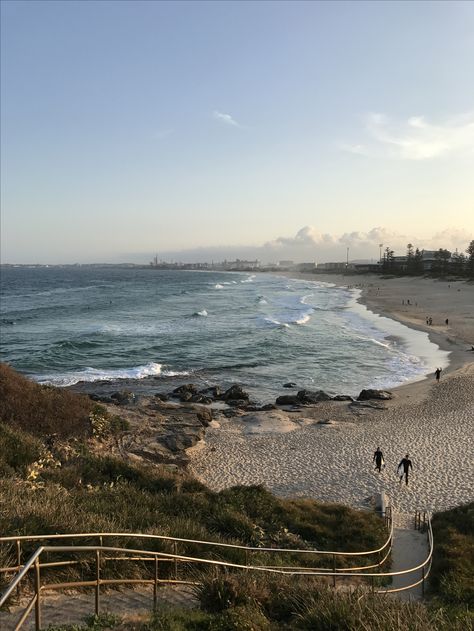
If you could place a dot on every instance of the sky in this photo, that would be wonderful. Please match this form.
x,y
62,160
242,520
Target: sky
x,y
199,130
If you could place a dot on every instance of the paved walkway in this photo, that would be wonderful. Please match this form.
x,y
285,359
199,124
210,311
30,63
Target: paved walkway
x,y
410,548
61,609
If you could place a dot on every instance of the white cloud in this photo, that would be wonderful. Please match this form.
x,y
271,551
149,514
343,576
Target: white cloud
x,y
307,236
415,138
227,119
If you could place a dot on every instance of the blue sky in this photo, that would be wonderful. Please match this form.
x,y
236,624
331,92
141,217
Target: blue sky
x,y
130,128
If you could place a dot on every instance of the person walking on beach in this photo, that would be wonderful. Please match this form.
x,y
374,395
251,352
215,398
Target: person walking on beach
x,y
403,468
378,459
438,374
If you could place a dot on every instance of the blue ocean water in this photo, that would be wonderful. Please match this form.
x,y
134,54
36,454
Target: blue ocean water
x,y
66,325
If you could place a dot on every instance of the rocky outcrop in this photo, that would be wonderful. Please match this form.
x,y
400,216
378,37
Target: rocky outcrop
x,y
310,396
304,397
287,399
124,397
367,395
290,384
235,393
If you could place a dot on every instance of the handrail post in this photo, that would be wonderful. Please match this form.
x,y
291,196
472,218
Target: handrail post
x,y
175,552
423,581
155,585
97,582
38,593
18,560
334,570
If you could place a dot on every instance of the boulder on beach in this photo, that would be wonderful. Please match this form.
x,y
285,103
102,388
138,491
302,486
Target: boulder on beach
x,y
235,393
213,392
287,399
186,387
180,442
366,395
310,396
343,397
161,396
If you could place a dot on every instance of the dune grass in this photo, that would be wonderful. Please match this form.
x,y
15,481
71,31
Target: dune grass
x,y
452,574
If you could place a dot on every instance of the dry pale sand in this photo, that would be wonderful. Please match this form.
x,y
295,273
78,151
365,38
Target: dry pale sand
x,y
433,422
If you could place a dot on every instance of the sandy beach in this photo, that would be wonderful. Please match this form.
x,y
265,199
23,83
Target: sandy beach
x,y
293,454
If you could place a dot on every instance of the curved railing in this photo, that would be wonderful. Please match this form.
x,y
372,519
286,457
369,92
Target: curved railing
x,y
100,552
101,536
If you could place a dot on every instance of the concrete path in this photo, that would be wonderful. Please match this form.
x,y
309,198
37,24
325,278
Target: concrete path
x,y
410,548
73,608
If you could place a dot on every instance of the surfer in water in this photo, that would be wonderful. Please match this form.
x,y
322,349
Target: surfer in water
x,y
378,459
403,468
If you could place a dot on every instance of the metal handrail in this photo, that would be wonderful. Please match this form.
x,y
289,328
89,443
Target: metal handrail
x,y
16,538
156,556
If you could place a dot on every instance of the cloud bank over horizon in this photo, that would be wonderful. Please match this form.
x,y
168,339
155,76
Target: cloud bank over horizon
x,y
308,244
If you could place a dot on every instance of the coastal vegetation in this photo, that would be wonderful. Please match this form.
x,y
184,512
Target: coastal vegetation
x,y
57,476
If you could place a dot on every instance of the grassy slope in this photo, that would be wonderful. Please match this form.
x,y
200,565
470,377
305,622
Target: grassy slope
x,y
92,493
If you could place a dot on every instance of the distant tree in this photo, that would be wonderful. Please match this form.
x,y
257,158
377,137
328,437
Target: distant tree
x,y
470,260
441,264
410,258
418,262
387,264
459,263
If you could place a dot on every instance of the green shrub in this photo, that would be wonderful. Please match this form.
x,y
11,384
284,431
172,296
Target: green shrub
x,y
18,450
452,573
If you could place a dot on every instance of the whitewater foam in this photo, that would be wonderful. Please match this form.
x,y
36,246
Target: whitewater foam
x,y
98,374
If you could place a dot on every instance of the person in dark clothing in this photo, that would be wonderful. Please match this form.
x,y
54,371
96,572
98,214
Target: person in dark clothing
x,y
403,468
378,459
438,374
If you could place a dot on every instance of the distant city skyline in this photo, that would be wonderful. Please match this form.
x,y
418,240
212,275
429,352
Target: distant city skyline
x,y
200,130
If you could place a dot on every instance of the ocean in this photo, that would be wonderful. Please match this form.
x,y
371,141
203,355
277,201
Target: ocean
x,y
65,325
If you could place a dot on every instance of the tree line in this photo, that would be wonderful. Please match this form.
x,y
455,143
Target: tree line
x,y
445,262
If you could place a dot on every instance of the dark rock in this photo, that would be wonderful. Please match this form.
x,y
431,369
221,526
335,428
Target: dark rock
x,y
290,384
288,399
186,387
179,442
342,397
268,406
308,396
204,415
185,396
231,413
213,391
237,403
366,395
196,398
124,397
162,397
235,393
206,401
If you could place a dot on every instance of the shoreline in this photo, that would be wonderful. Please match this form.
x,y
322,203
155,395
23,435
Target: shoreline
x,y
456,344
325,451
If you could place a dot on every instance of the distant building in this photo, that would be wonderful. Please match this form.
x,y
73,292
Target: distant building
x,y
286,263
305,267
331,267
239,264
